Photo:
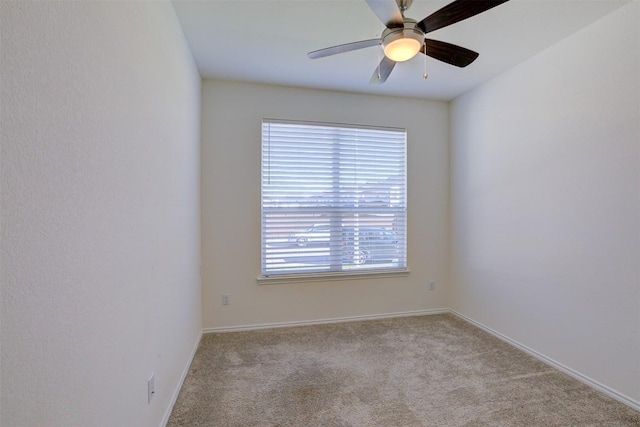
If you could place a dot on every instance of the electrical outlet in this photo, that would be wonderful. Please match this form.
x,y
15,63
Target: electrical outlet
x,y
151,387
432,285
226,299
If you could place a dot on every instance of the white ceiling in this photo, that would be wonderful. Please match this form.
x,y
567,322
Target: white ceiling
x,y
267,41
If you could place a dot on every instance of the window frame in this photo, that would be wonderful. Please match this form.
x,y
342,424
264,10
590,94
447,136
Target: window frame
x,y
346,274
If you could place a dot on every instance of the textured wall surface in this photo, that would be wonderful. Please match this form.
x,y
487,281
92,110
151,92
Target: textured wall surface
x,y
546,202
100,212
231,134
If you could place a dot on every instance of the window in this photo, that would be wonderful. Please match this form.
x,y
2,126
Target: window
x,y
333,198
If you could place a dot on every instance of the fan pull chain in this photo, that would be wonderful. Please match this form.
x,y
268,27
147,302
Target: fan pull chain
x,y
378,68
425,75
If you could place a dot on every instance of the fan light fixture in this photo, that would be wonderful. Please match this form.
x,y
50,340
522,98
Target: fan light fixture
x,y
402,44
402,49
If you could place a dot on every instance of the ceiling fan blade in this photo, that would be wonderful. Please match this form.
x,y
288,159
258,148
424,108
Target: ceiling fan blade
x,y
383,70
388,12
456,12
342,48
449,53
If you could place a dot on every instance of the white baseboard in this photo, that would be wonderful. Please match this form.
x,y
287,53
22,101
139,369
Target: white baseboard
x,y
324,321
549,361
185,371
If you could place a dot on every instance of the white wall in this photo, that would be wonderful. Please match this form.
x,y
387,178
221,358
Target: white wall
x,y
231,132
100,212
546,202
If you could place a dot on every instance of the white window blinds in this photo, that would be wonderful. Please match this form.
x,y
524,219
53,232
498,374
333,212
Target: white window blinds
x,y
333,198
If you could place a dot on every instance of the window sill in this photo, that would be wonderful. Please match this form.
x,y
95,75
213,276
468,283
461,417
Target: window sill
x,y
324,277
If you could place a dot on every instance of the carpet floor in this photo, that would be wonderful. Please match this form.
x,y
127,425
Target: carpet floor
x,y
411,371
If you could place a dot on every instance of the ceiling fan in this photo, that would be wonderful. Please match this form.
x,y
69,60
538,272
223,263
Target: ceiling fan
x,y
403,37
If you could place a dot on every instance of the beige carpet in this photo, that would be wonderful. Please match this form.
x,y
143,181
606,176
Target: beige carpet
x,y
413,371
